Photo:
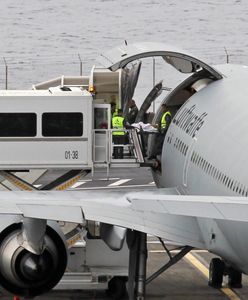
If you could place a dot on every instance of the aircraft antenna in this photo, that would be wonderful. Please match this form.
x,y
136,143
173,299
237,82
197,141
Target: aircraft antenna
x,y
227,56
81,65
6,73
126,42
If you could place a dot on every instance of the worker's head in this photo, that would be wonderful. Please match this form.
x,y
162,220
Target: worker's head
x,y
120,112
164,107
131,103
113,107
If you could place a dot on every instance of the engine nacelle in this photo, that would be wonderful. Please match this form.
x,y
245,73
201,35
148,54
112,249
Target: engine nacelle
x,y
26,274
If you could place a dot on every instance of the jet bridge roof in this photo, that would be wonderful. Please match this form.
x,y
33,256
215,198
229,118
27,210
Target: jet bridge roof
x,y
184,62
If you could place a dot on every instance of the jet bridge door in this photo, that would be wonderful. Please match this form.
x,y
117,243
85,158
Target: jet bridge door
x,y
101,125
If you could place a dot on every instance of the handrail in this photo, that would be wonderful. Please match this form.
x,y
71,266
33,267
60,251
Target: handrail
x,y
133,147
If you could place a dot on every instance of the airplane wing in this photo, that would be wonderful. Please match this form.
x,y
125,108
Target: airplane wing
x,y
161,212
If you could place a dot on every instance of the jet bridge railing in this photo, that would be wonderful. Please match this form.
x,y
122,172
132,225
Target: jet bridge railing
x,y
103,149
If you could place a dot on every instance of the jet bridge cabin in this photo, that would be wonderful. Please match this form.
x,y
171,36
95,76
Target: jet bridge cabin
x,y
46,129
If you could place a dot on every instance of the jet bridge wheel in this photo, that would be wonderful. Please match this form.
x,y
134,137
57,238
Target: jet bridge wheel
x,y
117,287
216,272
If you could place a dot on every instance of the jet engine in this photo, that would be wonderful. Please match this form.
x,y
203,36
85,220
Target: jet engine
x,y
25,273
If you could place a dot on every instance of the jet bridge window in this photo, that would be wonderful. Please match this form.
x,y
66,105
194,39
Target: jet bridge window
x,y
62,124
18,124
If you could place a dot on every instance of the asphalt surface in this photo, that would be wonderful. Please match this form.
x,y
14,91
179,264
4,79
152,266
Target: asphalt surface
x,y
185,280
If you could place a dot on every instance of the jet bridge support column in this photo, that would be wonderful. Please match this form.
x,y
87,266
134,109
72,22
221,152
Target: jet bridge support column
x,y
137,264
142,256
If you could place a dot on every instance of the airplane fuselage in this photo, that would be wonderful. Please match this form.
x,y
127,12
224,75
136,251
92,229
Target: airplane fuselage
x,y
205,153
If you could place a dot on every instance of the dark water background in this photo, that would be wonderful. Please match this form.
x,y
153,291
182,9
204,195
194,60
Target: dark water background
x,y
41,39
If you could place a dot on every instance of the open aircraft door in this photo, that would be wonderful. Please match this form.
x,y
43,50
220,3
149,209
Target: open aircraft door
x,y
120,56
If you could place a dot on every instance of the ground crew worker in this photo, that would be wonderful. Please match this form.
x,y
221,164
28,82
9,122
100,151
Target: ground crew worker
x,y
162,127
118,122
165,119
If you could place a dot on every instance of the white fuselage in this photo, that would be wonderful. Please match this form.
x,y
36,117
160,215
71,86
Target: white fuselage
x,y
205,153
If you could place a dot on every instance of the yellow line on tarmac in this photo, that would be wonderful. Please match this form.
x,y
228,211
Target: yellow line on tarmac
x,y
204,270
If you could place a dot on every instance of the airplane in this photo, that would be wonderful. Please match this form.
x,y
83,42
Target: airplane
x,y
201,199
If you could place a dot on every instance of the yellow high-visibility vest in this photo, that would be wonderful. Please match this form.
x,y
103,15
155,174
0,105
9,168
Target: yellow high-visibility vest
x,y
117,123
163,119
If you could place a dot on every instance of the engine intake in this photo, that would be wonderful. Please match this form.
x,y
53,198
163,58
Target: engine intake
x,y
27,274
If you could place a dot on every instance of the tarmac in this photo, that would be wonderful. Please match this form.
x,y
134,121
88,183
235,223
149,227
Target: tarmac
x,y
186,280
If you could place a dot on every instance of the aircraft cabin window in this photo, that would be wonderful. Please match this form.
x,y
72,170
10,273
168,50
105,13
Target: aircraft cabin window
x,y
193,157
243,191
237,187
179,145
222,178
211,170
234,186
229,182
62,124
18,124
175,142
240,188
186,149
208,167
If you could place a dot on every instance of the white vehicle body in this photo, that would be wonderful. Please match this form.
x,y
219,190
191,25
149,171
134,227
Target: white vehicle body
x,y
36,149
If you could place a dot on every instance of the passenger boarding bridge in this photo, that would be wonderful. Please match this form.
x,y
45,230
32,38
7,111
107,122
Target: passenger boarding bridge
x,y
104,87
65,123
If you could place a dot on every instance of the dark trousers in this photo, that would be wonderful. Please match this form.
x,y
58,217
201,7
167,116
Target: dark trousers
x,y
118,151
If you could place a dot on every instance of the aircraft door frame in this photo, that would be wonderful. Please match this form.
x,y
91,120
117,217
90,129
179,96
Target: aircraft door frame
x,y
101,125
187,161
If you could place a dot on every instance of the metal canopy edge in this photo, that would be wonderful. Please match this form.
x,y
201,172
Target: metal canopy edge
x,y
184,62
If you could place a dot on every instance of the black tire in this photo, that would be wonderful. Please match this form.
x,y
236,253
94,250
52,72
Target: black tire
x,y
216,272
234,278
117,288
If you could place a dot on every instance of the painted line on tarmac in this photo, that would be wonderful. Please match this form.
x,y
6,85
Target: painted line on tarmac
x,y
100,179
204,270
77,184
119,182
115,187
177,251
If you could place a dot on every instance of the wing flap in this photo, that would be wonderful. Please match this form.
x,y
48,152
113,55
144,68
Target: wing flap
x,y
52,212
